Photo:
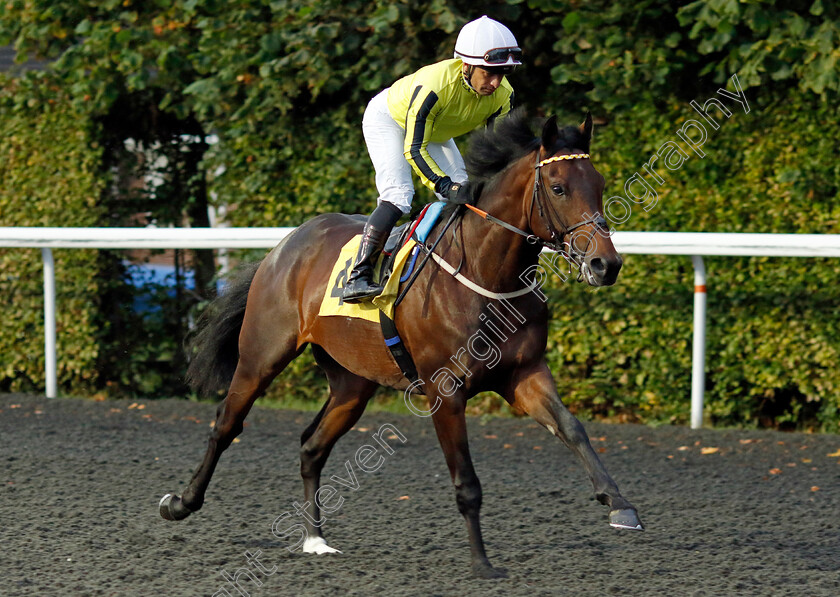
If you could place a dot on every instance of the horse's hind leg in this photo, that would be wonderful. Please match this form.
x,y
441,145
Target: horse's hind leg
x,y
534,392
263,356
349,395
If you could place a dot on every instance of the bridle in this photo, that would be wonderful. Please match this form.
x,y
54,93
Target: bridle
x,y
549,216
548,213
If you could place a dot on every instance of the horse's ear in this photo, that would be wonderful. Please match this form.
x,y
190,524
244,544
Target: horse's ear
x,y
550,133
586,129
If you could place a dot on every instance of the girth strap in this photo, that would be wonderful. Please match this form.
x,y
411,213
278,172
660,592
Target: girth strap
x,y
397,348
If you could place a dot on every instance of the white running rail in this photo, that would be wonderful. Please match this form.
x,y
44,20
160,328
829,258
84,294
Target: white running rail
x,y
694,244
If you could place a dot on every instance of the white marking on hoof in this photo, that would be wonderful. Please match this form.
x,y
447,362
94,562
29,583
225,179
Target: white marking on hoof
x,y
617,525
317,545
163,499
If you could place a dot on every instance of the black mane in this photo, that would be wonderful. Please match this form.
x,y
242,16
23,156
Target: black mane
x,y
494,148
491,150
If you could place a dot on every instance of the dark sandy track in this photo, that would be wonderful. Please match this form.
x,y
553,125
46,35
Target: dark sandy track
x,y
81,482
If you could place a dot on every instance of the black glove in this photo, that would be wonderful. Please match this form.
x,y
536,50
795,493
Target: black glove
x,y
459,192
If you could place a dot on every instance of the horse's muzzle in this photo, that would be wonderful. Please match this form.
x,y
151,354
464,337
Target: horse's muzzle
x,y
601,271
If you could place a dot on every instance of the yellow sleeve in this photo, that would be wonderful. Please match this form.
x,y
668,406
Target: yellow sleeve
x,y
419,122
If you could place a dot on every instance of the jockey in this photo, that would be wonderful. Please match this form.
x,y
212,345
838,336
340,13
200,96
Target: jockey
x,y
411,125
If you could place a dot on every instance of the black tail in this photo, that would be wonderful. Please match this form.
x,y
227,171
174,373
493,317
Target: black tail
x,y
213,346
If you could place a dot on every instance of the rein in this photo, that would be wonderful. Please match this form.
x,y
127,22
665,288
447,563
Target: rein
x,y
533,239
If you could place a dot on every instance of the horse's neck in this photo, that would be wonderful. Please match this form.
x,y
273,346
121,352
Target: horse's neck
x,y
493,256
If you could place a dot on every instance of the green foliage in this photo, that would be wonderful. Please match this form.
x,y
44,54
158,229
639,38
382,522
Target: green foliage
x,y
769,41
772,332
50,177
54,175
623,53
282,85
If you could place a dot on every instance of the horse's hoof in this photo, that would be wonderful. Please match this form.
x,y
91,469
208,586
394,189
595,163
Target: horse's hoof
x,y
486,571
172,508
626,519
317,545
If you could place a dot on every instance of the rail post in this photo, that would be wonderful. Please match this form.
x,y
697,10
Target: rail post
x,y
698,359
49,324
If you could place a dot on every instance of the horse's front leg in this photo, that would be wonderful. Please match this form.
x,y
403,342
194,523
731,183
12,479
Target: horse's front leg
x,y
451,428
533,391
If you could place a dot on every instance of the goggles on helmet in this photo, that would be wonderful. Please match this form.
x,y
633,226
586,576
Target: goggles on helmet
x,y
500,55
496,55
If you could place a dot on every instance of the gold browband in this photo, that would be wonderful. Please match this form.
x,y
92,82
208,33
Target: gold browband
x,y
557,158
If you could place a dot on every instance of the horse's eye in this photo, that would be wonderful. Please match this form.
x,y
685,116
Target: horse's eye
x,y
558,190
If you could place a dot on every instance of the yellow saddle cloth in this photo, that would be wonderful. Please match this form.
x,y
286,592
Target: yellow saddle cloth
x,y
333,305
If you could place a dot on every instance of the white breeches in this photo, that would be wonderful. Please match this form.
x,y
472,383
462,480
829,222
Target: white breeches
x,y
385,140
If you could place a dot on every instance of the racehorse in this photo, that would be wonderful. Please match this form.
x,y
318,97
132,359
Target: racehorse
x,y
535,192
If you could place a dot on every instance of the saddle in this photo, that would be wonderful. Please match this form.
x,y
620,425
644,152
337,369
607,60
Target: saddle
x,y
418,230
399,256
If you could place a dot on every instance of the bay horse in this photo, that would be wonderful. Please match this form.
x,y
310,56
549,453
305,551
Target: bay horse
x,y
536,191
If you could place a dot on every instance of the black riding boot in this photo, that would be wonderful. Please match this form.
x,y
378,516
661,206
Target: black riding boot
x,y
360,285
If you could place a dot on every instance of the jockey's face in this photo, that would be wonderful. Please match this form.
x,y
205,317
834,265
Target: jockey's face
x,y
485,81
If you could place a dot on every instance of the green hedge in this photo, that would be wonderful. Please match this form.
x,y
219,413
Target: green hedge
x,y
772,336
283,85
50,177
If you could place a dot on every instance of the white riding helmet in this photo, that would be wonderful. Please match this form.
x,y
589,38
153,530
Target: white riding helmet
x,y
485,42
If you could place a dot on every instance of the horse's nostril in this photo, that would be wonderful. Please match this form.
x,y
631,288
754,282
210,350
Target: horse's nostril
x,y
598,266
